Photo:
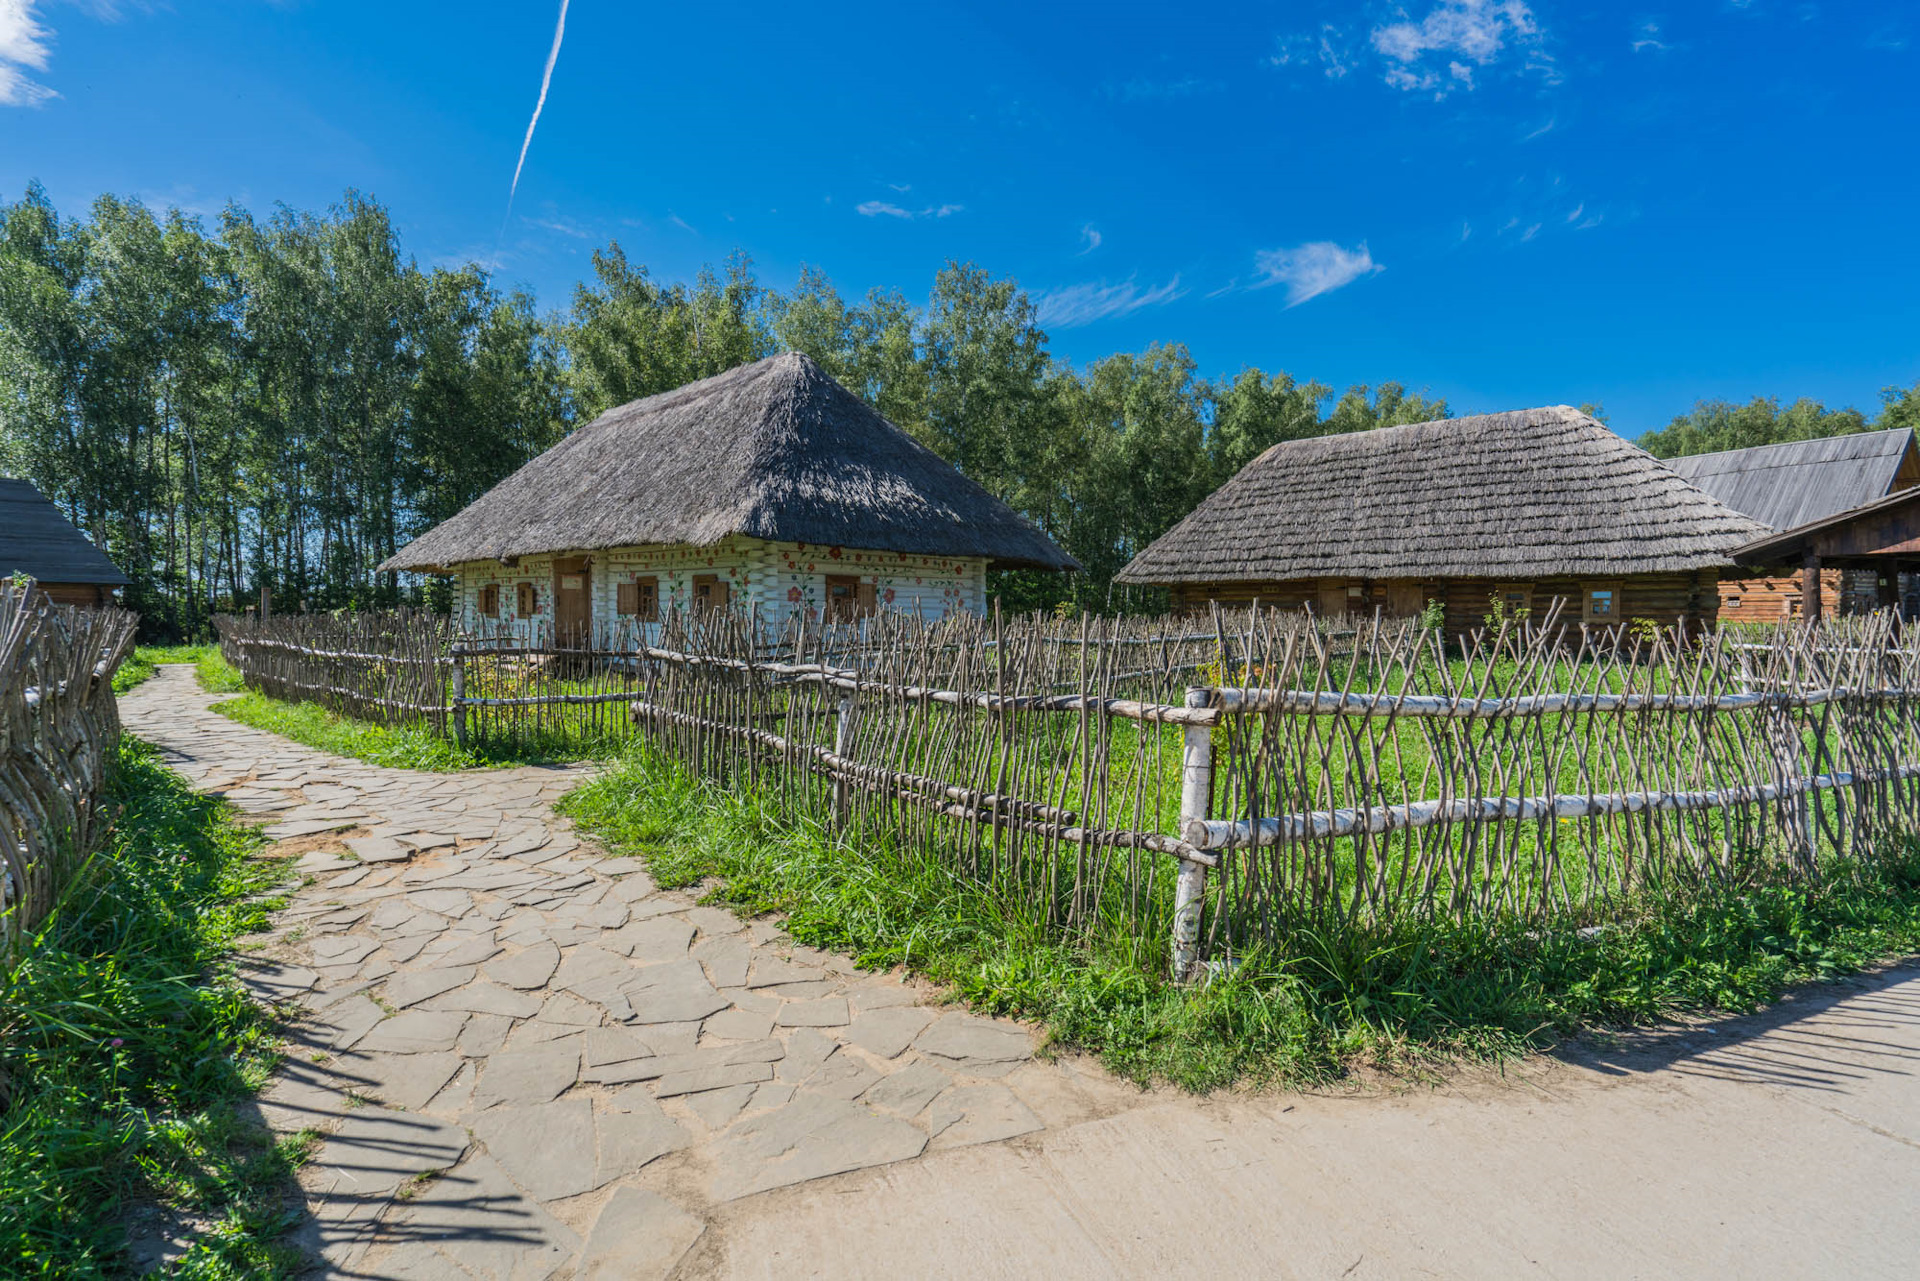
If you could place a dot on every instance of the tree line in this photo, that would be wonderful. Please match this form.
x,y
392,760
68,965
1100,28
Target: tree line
x,y
286,401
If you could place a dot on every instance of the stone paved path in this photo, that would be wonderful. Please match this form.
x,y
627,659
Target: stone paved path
x,y
525,1060
610,1082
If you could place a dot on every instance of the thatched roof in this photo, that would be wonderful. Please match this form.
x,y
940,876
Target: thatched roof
x,y
775,450
36,539
1534,493
1799,481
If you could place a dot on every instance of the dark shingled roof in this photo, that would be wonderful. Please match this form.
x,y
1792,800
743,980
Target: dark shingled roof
x,y
775,450
36,539
1799,481
1533,493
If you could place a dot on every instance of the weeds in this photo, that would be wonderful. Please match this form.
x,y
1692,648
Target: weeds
x,y
129,1052
139,665
1322,1005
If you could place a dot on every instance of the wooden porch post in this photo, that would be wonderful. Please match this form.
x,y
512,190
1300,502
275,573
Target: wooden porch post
x,y
1810,586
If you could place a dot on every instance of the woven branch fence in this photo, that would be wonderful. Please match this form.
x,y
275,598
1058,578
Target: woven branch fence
x,y
58,722
1228,784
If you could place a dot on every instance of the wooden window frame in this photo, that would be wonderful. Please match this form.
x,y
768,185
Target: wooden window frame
x,y
526,599
639,599
860,600
1523,590
489,603
1587,591
718,592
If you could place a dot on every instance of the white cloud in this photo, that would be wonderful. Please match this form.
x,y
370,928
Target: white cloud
x,y
539,104
1648,37
1466,33
23,45
883,208
1090,238
1078,305
1312,269
682,223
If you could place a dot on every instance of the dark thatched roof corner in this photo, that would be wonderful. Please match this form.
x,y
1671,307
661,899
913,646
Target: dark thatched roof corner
x,y
36,539
1528,494
775,450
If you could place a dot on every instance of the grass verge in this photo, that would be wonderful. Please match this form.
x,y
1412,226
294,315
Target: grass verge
x,y
403,747
139,665
128,1055
1320,1008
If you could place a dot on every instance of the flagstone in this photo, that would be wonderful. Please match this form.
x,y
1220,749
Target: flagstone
x,y
529,968
378,849
547,1148
963,1037
416,1032
809,1138
829,1012
639,1235
520,1077
673,992
414,986
969,1114
489,998
888,1031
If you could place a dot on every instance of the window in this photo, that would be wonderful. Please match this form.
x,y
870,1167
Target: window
x,y
1731,602
526,602
848,598
710,591
490,601
1601,603
640,599
1514,597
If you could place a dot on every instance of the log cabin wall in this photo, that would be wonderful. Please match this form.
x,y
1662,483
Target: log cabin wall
x,y
1775,594
1664,598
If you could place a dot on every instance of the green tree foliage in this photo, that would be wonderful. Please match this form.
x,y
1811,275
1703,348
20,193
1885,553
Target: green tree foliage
x,y
1713,425
287,400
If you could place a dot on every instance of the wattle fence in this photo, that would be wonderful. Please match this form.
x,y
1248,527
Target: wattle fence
x,y
58,722
1227,782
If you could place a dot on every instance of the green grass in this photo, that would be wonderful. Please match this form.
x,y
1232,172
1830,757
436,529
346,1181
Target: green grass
x,y
404,747
1315,1009
128,1052
139,665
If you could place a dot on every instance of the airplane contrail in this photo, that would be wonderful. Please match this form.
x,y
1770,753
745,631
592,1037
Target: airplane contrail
x,y
546,79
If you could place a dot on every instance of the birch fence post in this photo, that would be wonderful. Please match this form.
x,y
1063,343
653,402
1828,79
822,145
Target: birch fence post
x,y
842,748
1196,804
457,694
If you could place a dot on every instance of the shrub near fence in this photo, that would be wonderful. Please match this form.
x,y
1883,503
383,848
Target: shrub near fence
x,y
60,722
1270,773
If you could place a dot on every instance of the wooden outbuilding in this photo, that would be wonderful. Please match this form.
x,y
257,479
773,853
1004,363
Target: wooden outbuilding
x,y
1879,540
1804,482
36,540
1521,507
768,485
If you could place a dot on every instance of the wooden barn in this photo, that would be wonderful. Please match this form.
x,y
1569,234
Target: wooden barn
x,y
1524,507
1800,483
768,485
1877,541
36,540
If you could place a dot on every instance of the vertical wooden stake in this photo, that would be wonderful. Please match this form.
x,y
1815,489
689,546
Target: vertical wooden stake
x,y
842,747
1196,802
457,696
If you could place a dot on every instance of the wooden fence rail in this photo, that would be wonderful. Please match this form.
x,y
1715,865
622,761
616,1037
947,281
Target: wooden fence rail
x,y
1227,787
58,723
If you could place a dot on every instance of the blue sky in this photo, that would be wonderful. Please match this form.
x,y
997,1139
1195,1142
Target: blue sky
x,y
1505,203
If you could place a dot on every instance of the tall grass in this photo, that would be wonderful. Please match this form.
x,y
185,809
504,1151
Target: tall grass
x,y
128,1051
1309,1009
139,666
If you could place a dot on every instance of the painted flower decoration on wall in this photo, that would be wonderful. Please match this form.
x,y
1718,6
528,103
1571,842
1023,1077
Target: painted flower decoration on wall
x,y
889,596
834,552
793,594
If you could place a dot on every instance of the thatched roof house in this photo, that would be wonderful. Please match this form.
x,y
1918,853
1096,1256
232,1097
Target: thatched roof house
x,y
1802,483
770,482
1523,506
36,540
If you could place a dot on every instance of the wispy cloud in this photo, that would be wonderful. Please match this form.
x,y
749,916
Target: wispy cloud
x,y
1089,239
1437,53
887,209
23,47
546,81
1462,34
1542,131
1077,305
1328,48
1312,269
1647,38
559,226
683,224
1141,90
